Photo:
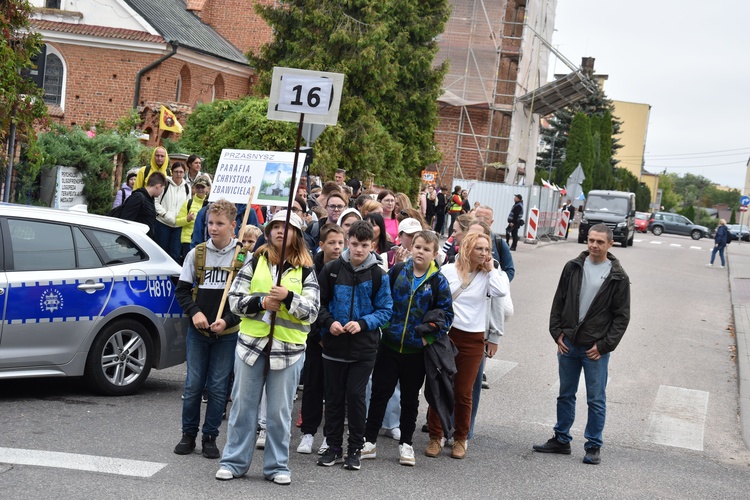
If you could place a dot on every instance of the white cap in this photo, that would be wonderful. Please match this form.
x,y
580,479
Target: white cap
x,y
409,226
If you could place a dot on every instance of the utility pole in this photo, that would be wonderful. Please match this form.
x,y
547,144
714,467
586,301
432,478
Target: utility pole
x,y
552,156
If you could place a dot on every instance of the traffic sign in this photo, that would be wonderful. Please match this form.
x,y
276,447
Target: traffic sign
x,y
316,94
744,200
743,208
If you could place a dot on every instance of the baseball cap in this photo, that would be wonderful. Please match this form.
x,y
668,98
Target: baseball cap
x,y
409,226
519,196
202,180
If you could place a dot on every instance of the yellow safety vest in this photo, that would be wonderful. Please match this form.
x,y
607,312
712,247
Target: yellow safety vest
x,y
287,328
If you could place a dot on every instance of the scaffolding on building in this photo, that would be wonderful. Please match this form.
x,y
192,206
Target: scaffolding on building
x,y
494,65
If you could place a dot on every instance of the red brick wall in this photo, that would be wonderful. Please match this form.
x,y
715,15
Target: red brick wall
x,y
237,21
106,92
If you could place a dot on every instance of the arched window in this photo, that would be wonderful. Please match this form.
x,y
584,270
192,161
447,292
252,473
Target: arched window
x,y
54,78
218,89
183,85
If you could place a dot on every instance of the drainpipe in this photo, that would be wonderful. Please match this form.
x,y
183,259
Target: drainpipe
x,y
151,66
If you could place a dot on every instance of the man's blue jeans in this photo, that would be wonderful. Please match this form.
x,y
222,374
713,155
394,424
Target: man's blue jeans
x,y
209,363
595,372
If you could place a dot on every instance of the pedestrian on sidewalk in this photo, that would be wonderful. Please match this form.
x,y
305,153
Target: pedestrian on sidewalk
x,y
590,313
720,242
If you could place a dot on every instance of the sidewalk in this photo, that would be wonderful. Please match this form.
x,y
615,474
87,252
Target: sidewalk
x,y
738,263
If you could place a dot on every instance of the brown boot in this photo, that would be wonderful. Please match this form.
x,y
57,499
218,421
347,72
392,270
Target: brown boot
x,y
459,449
433,449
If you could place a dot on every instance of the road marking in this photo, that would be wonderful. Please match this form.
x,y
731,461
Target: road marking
x,y
75,461
497,368
675,245
696,248
678,418
655,242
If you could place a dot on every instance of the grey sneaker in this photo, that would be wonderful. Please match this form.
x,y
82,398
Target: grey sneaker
x,y
592,457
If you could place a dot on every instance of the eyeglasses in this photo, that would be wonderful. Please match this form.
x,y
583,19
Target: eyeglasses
x,y
387,202
296,210
403,213
336,208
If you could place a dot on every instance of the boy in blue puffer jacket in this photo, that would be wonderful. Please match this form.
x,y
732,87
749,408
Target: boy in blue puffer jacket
x,y
422,313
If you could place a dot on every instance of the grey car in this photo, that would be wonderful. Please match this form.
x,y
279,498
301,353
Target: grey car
x,y
669,223
85,295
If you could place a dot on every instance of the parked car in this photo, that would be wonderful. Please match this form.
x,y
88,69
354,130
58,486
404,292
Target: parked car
x,y
669,223
735,230
641,221
85,295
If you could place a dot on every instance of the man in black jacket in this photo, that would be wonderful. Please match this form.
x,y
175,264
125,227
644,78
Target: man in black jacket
x,y
140,207
590,313
515,220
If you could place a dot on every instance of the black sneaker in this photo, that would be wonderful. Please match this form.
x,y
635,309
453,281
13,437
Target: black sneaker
x,y
186,445
333,455
592,457
553,446
485,384
425,428
209,447
352,460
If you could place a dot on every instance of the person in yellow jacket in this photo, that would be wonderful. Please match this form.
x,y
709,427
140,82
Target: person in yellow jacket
x,y
189,211
159,163
254,297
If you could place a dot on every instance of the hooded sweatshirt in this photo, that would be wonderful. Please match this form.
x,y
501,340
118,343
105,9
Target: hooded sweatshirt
x,y
141,178
169,203
348,296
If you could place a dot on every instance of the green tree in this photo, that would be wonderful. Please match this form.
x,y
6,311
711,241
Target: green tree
x,y
240,124
386,50
579,150
21,101
624,180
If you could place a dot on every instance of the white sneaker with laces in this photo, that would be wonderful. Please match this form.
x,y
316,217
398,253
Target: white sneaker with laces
x,y
305,446
283,479
369,451
260,443
323,447
224,474
406,455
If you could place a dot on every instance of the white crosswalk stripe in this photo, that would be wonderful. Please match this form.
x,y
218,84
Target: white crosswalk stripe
x,y
678,418
107,465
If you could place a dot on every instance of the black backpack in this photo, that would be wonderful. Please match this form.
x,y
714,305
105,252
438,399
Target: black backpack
x,y
117,211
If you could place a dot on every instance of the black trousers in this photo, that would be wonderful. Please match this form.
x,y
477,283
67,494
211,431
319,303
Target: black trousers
x,y
512,232
312,396
345,385
392,367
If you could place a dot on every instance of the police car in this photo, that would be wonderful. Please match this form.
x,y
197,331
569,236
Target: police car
x,y
85,295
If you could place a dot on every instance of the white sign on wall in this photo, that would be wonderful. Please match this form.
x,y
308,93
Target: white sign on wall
x,y
270,172
317,94
69,188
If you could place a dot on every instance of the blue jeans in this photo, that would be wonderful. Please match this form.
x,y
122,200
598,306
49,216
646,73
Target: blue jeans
x,y
169,239
719,249
595,372
476,392
209,363
243,417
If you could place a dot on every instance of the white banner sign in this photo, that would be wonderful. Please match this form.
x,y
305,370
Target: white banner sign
x,y
269,171
69,188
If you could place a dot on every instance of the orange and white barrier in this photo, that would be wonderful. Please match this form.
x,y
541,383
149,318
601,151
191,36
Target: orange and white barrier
x,y
562,228
533,224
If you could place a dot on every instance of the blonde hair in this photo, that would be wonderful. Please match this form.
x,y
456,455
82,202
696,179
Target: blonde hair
x,y
369,206
463,259
297,255
250,231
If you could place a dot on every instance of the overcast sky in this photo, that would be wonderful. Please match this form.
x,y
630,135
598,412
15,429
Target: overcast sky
x,y
688,59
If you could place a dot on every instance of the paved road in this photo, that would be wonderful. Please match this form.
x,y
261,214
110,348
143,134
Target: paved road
x,y
672,430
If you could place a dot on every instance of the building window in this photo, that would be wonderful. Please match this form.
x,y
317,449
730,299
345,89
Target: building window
x,y
54,79
52,4
183,85
217,92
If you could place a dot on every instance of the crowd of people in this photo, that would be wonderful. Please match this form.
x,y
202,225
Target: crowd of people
x,y
354,298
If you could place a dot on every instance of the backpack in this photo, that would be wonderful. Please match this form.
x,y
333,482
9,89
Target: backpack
x,y
200,265
117,211
147,171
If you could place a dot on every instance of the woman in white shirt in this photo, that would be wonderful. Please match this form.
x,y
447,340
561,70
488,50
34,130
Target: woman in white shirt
x,y
472,278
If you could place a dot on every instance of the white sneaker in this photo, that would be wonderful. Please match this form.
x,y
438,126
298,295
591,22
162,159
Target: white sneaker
x,y
260,443
395,433
369,450
323,447
283,479
722,267
406,455
305,446
709,265
224,474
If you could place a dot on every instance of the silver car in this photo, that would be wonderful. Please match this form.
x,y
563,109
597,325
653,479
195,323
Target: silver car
x,y
85,295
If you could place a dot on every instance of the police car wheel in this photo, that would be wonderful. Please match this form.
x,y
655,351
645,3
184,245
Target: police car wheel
x,y
120,358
